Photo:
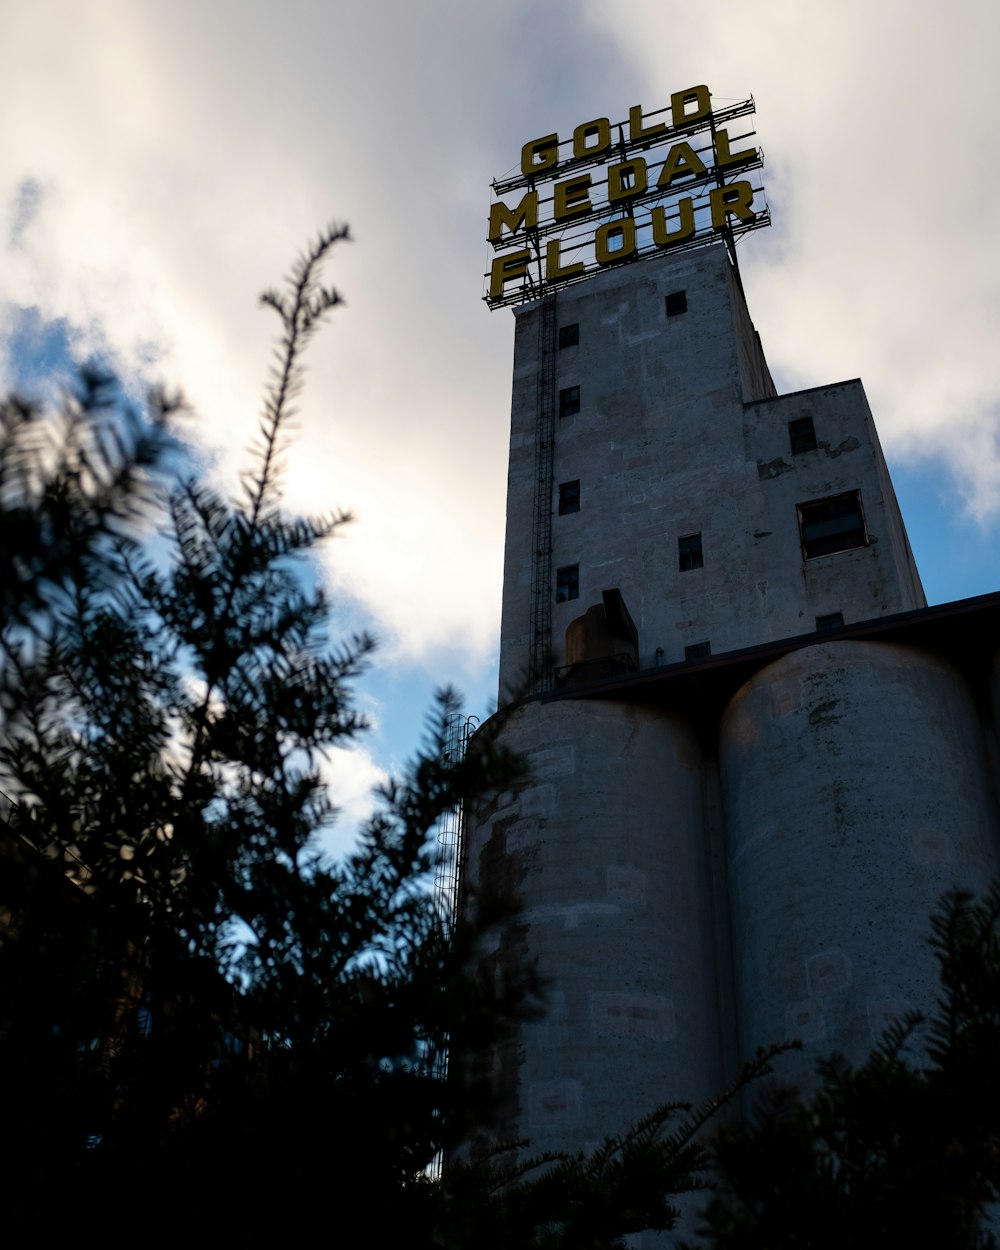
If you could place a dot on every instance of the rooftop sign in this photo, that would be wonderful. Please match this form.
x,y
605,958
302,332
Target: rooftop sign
x,y
675,178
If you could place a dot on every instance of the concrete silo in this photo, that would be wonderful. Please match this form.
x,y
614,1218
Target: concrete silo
x,y
758,758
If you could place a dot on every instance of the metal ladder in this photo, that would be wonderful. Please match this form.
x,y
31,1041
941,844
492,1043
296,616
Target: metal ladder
x,y
540,659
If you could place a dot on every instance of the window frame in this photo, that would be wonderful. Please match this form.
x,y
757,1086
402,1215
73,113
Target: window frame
x,y
826,622
569,401
569,335
806,426
829,542
567,496
567,583
676,303
689,559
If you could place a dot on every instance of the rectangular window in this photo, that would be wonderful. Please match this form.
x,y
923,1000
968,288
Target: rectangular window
x,y
833,620
569,336
677,303
569,401
829,525
568,583
569,498
698,651
689,552
802,435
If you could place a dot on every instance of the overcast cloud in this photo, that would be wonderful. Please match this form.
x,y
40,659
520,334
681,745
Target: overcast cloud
x,y
162,163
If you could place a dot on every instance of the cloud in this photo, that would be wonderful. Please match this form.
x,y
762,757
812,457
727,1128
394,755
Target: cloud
x,y
181,153
875,121
352,776
24,210
37,354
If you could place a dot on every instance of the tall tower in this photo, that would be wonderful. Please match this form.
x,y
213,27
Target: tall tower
x,y
757,758
677,476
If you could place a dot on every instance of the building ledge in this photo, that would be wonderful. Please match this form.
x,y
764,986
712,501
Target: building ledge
x,y
966,632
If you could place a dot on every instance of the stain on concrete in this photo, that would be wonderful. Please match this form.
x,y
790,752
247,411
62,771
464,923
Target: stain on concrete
x,y
849,444
772,468
823,713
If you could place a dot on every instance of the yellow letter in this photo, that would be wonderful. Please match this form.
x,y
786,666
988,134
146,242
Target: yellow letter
x,y
636,130
599,127
621,227
554,269
725,156
626,180
506,268
539,154
681,159
733,200
679,101
570,199
525,216
663,237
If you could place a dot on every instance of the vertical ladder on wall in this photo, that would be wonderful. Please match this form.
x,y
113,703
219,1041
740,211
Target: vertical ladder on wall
x,y
540,661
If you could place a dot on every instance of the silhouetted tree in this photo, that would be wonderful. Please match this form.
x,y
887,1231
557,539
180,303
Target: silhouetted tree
x,y
202,1018
902,1150
207,1024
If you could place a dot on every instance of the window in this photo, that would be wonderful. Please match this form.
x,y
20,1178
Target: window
x,y
677,303
569,401
698,651
802,435
568,583
569,336
569,498
833,620
689,552
830,525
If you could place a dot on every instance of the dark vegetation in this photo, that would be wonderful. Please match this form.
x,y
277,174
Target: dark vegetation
x,y
205,1024
202,1018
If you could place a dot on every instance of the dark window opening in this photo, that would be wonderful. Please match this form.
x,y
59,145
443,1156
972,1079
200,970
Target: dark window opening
x,y
830,525
568,583
689,552
569,336
802,435
569,498
677,303
698,651
832,620
569,401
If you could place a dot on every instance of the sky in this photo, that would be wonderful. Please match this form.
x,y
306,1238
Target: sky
x,y
162,164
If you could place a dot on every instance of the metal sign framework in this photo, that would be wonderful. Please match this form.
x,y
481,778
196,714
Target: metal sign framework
x,y
693,209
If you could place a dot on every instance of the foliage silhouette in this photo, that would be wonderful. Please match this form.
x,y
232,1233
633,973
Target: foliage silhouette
x,y
204,1022
194,998
903,1149
591,1200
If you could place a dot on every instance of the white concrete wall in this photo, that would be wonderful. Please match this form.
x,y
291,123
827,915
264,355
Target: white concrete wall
x,y
669,913
605,848
677,435
791,591
856,792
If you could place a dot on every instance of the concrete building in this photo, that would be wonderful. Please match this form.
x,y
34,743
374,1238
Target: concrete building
x,y
758,758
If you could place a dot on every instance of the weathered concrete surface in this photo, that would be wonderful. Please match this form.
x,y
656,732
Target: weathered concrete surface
x,y
856,792
681,919
680,432
605,848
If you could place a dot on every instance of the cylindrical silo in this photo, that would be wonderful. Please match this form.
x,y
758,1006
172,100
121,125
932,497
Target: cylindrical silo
x,y
605,850
856,793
